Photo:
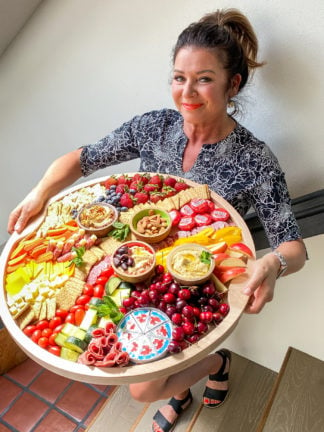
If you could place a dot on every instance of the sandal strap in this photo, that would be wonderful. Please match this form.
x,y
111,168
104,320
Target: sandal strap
x,y
178,403
220,375
215,394
162,422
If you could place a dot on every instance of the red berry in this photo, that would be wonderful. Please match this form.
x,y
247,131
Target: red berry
x,y
206,317
169,181
188,328
126,200
169,297
174,347
178,334
184,294
224,309
176,318
141,197
159,269
180,185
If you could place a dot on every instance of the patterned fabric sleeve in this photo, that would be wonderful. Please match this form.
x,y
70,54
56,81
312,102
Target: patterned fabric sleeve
x,y
271,201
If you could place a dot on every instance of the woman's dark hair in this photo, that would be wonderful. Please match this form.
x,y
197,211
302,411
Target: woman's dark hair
x,y
228,32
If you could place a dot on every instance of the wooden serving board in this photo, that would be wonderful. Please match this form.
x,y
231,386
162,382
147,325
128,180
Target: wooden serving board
x,y
139,372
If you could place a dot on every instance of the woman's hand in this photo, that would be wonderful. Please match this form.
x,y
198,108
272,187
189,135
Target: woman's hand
x,y
261,285
32,204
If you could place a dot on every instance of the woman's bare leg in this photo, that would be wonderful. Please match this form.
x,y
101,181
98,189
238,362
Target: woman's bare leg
x,y
177,385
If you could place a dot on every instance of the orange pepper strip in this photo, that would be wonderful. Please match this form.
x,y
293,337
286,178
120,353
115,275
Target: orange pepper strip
x,y
18,251
47,256
18,259
56,231
12,268
31,244
39,250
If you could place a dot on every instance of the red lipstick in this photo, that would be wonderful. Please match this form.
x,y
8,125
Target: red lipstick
x,y
191,107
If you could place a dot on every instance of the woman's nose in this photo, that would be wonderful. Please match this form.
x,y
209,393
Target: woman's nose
x,y
189,89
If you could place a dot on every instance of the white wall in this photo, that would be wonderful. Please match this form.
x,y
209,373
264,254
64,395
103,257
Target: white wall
x,y
81,68
293,318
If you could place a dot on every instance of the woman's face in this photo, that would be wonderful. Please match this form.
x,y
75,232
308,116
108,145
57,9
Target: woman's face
x,y
200,85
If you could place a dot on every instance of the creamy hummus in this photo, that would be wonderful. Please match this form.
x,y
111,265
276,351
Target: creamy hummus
x,y
96,216
187,263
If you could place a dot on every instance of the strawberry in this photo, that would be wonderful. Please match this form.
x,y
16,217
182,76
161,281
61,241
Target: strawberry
x,y
156,196
126,200
180,185
157,179
151,187
124,179
144,178
112,180
141,197
169,181
122,188
168,191
136,185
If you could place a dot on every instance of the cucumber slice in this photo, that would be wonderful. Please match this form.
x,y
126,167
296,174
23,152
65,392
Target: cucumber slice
x,y
73,330
60,339
119,295
126,285
112,284
88,335
75,344
69,354
95,301
89,319
104,320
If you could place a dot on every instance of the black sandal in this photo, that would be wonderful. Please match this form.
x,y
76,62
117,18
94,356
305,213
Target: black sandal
x,y
218,395
176,404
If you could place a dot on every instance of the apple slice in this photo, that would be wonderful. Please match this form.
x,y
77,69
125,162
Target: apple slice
x,y
230,274
236,254
219,247
230,263
241,247
219,257
220,287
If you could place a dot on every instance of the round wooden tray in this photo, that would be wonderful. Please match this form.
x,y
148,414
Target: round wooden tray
x,y
139,372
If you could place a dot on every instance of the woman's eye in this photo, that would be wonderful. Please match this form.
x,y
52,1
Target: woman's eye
x,y
178,78
204,79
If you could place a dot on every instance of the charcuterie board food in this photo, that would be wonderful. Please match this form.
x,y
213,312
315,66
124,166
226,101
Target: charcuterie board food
x,y
117,250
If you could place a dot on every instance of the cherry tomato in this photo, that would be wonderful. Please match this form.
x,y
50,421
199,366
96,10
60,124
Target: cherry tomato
x,y
51,339
102,280
58,328
88,289
41,325
56,350
70,318
79,314
98,290
43,342
76,307
61,313
36,335
83,299
29,330
107,272
47,332
55,322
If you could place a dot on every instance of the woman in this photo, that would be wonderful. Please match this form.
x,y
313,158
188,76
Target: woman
x,y
213,60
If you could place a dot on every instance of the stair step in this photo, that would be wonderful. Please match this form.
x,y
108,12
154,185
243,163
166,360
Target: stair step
x,y
296,403
250,387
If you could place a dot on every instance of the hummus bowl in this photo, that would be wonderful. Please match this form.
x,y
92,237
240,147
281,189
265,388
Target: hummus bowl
x,y
97,218
190,264
134,261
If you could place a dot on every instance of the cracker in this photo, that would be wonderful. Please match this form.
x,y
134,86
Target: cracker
x,y
109,245
37,306
89,257
98,252
26,318
50,308
79,274
43,311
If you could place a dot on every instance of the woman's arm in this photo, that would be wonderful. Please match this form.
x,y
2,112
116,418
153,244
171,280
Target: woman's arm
x,y
61,173
261,286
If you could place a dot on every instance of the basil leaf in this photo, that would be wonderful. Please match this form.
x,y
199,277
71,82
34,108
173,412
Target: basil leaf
x,y
205,257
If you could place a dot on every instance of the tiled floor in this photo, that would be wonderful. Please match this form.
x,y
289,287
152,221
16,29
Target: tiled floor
x,y
33,399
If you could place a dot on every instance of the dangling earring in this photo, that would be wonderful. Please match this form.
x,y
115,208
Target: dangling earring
x,y
231,107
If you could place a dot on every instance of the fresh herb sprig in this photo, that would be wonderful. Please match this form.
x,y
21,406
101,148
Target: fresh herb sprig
x,y
78,260
205,257
120,231
108,307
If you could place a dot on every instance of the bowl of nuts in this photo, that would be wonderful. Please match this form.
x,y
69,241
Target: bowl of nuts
x,y
151,225
134,261
97,218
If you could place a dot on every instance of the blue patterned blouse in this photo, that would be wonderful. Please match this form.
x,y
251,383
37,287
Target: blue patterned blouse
x,y
240,168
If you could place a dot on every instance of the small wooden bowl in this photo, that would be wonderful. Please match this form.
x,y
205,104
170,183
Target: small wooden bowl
x,y
107,224
150,238
136,276
188,279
